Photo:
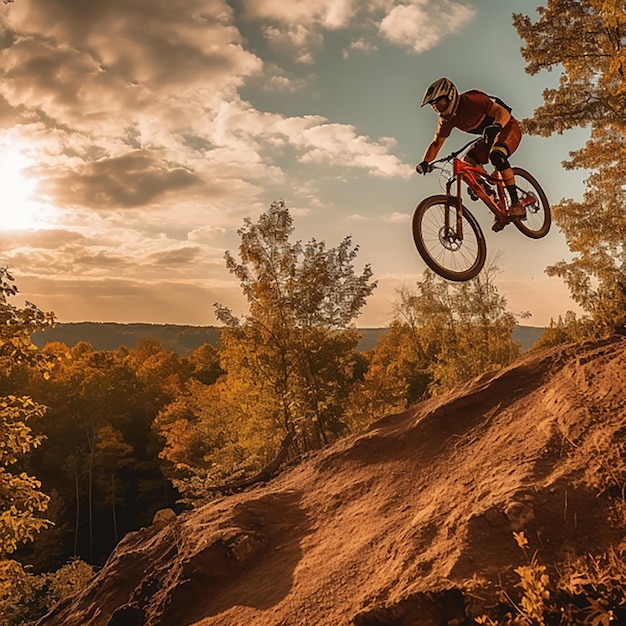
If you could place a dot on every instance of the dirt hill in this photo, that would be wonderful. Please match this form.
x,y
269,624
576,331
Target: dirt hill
x,y
408,523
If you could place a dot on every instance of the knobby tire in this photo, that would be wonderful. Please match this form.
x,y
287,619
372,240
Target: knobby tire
x,y
451,259
538,217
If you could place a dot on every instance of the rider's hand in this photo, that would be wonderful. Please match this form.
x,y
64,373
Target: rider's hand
x,y
424,167
490,133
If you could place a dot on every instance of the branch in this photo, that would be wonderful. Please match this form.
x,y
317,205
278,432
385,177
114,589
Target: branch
x,y
262,476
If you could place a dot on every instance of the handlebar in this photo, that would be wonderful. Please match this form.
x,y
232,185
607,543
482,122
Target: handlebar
x,y
454,154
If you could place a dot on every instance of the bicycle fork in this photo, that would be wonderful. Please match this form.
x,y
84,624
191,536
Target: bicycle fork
x,y
454,202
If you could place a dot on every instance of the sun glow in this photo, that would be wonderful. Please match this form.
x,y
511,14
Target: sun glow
x,y
18,209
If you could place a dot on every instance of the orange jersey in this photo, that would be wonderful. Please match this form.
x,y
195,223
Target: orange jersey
x,y
475,111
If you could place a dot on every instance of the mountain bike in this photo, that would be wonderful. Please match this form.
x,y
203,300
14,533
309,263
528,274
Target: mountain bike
x,y
447,235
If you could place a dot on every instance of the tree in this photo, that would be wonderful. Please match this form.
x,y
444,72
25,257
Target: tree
x,y
21,500
286,369
443,334
564,330
22,503
100,451
112,454
293,354
587,40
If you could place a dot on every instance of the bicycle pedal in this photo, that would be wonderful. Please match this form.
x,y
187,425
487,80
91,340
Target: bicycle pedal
x,y
472,194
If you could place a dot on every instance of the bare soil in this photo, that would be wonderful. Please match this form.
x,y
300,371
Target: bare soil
x,y
408,523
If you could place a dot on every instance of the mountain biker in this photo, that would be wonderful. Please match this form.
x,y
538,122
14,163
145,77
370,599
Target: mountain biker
x,y
477,113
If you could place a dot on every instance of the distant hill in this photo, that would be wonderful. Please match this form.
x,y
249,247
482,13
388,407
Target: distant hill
x,y
110,335
183,339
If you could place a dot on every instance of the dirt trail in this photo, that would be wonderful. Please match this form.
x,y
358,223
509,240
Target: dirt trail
x,y
387,527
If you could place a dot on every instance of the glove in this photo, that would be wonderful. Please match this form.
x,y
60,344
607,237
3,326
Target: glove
x,y
424,167
489,134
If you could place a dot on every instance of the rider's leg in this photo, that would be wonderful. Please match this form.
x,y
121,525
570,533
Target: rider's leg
x,y
478,156
498,156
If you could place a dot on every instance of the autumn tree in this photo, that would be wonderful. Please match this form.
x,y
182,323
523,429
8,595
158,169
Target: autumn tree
x,y
211,434
100,453
565,329
22,502
586,41
112,454
442,335
293,354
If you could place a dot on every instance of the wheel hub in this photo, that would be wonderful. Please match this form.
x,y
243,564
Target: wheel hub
x,y
449,240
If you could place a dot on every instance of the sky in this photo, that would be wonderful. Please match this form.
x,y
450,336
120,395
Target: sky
x,y
137,135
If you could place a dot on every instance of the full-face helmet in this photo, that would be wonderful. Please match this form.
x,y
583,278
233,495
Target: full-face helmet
x,y
442,87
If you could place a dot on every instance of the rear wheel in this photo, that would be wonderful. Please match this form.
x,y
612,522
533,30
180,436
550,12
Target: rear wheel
x,y
531,195
453,255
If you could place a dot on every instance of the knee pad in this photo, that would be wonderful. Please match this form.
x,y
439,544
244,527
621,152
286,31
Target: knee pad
x,y
498,157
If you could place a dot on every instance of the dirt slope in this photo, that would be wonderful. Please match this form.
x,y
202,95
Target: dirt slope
x,y
387,526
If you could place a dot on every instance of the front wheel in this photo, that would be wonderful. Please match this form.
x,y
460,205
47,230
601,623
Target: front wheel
x,y
531,195
452,254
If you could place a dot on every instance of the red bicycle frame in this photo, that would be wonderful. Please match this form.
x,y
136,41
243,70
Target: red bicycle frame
x,y
472,176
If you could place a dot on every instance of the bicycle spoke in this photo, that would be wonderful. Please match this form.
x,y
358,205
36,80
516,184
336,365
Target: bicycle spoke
x,y
443,249
444,246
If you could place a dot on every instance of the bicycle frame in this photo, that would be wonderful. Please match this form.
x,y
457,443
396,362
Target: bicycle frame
x,y
464,173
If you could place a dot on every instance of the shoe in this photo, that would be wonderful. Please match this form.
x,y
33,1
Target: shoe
x,y
517,210
488,190
498,225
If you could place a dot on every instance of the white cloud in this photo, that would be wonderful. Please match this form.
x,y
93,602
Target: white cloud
x,y
396,218
422,24
330,14
359,46
298,41
339,144
317,140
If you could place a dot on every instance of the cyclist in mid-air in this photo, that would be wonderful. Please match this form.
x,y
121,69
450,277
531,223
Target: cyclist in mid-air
x,y
477,113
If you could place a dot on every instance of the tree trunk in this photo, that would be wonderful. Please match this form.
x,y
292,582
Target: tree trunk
x,y
265,474
113,505
77,485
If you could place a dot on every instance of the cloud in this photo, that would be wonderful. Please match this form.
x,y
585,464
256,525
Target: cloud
x,y
130,300
298,41
299,27
359,46
340,144
47,239
178,256
315,138
93,60
139,120
131,180
396,218
422,24
330,14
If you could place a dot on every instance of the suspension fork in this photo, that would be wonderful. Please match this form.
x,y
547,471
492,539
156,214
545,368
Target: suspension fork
x,y
454,202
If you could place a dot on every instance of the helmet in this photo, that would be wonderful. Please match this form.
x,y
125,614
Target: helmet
x,y
442,87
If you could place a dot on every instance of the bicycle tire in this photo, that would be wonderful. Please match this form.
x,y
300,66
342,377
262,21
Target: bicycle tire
x,y
451,259
538,215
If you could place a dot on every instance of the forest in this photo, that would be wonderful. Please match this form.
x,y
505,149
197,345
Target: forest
x,y
99,440
94,442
